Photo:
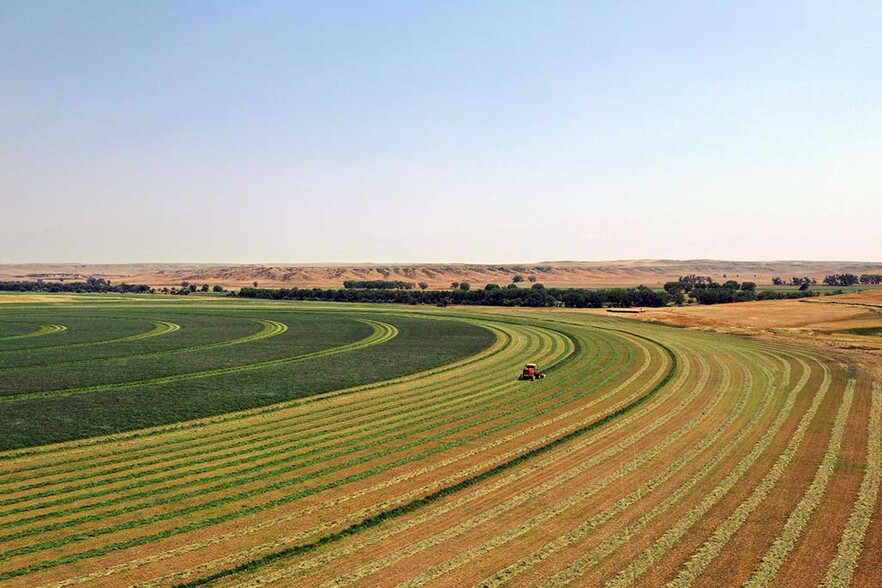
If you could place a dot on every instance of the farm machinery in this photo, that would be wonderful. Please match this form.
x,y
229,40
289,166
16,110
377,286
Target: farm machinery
x,y
531,372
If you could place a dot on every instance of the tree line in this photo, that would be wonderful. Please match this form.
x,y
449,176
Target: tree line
x,y
687,289
852,279
491,295
803,282
89,286
704,290
832,280
97,285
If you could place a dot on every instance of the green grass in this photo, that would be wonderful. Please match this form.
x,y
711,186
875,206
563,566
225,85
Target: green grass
x,y
106,376
864,331
82,327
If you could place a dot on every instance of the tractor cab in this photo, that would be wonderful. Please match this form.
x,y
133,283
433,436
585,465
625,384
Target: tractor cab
x,y
531,372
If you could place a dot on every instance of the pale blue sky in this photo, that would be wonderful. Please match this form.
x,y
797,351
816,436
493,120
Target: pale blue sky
x,y
439,131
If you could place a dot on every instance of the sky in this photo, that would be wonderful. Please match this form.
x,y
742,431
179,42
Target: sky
x,y
421,132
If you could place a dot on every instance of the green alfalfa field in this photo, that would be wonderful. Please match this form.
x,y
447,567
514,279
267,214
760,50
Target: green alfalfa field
x,y
212,441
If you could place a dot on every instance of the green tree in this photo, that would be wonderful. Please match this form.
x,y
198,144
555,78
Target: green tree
x,y
676,291
423,285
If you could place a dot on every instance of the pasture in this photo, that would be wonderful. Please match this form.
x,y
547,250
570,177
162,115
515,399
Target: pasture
x,y
260,443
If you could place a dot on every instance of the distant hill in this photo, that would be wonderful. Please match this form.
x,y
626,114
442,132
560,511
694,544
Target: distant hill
x,y
592,274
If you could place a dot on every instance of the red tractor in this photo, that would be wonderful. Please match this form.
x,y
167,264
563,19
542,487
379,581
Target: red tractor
x,y
531,372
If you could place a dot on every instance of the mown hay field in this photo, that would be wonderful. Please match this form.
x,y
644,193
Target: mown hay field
x,y
288,444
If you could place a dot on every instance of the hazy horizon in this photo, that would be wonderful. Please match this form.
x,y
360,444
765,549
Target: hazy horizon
x,y
440,263
393,132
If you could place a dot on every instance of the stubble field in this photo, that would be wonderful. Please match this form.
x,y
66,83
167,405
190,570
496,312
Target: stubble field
x,y
316,445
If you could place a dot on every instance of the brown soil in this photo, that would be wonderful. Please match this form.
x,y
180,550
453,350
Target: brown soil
x,y
817,547
750,543
869,562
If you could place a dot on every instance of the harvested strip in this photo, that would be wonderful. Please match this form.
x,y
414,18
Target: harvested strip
x,y
309,425
841,569
302,438
373,429
354,517
42,330
185,431
577,568
30,548
723,533
269,329
159,328
349,496
404,509
274,426
619,506
572,501
603,550
799,518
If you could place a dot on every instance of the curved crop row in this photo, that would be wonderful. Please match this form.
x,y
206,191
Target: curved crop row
x,y
411,474
382,332
635,528
533,493
488,465
269,328
610,470
239,497
670,538
628,501
159,328
197,435
534,519
166,401
554,441
771,562
279,448
841,569
41,330
201,442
